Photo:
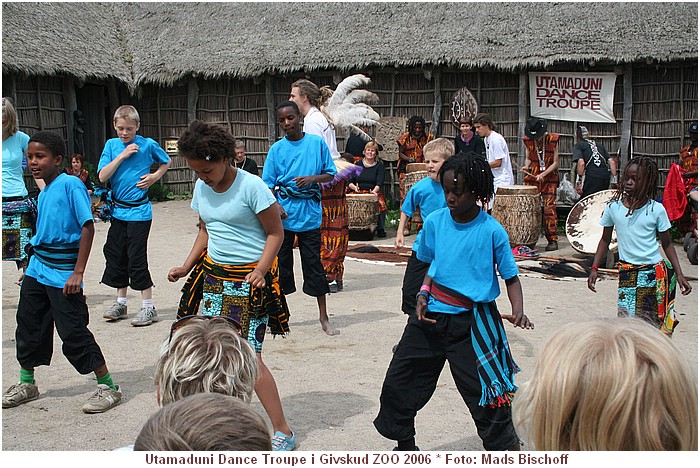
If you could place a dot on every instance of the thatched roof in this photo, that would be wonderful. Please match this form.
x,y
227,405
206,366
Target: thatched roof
x,y
140,43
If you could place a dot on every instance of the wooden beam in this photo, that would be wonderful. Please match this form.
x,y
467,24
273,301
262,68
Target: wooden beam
x,y
192,98
271,114
71,105
228,106
522,118
437,104
393,93
626,118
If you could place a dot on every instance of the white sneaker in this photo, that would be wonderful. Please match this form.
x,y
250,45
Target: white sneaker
x,y
103,399
146,316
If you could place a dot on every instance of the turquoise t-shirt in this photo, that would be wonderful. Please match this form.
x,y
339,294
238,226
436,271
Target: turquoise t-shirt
x,y
13,154
636,234
289,159
464,257
64,208
236,236
129,173
427,195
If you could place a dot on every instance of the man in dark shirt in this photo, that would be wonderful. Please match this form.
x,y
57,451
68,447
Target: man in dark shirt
x,y
595,169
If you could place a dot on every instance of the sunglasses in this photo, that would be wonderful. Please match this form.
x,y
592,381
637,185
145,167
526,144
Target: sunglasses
x,y
179,323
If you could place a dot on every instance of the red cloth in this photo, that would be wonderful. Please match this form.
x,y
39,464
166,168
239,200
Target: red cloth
x,y
675,199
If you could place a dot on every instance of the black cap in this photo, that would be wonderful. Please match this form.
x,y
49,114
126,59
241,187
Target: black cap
x,y
535,127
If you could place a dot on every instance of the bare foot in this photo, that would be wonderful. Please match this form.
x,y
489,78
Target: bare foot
x,y
328,328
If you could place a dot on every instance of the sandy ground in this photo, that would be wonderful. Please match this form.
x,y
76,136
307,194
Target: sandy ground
x,y
329,386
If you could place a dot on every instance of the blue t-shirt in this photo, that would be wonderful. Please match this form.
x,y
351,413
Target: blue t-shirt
x,y
427,195
636,234
13,162
129,173
236,236
64,208
464,257
289,159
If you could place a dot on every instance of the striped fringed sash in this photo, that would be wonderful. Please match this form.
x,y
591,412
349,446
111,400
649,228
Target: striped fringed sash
x,y
494,363
268,300
666,280
58,257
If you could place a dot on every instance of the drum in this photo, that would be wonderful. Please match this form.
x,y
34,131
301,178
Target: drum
x,y
362,211
519,210
583,229
416,167
410,180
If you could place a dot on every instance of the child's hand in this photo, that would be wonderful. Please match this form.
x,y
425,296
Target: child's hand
x,y
592,278
519,320
421,306
133,148
146,181
73,283
685,286
303,181
399,241
256,279
176,273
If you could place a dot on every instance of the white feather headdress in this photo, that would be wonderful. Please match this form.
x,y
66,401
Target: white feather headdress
x,y
349,107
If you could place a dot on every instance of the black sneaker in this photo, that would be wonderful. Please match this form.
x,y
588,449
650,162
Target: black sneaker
x,y
381,233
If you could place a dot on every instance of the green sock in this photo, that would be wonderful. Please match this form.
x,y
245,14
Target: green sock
x,y
107,380
26,376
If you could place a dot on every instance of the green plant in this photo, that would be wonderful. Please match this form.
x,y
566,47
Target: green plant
x,y
392,218
160,192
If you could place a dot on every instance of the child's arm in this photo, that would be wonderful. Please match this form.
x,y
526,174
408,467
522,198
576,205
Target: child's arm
x,y
108,171
272,224
600,252
75,280
149,179
422,301
673,258
303,181
399,241
515,296
200,243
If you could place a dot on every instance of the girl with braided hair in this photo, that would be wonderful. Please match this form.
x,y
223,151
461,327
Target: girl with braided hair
x,y
647,284
456,317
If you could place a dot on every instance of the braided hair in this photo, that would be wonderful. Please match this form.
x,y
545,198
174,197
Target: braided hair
x,y
206,141
478,178
414,120
645,185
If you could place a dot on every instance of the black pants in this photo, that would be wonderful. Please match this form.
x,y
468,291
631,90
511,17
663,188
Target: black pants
x,y
413,375
40,307
315,283
412,281
595,184
126,259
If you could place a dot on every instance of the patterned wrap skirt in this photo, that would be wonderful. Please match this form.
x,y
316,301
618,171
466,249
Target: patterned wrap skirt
x,y
334,230
648,292
18,226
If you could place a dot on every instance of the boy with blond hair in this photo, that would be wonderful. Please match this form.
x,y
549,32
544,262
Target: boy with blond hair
x,y
126,163
427,195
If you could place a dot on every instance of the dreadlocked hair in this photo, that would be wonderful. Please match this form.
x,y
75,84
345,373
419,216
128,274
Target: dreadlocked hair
x,y
206,141
476,172
414,120
645,185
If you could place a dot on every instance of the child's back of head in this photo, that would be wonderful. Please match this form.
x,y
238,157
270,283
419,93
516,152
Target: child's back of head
x,y
208,422
441,147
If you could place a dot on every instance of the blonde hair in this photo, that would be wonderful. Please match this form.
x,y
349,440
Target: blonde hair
x,y
9,117
372,144
206,356
440,146
127,112
205,422
616,384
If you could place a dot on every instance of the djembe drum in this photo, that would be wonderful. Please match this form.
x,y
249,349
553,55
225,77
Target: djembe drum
x,y
362,215
583,229
518,209
414,173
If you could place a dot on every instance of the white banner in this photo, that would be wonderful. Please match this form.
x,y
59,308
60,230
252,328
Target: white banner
x,y
582,97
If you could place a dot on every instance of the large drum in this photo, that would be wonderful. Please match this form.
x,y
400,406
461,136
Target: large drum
x,y
518,209
414,173
362,212
583,229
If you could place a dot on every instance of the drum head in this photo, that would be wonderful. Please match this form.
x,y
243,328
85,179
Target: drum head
x,y
583,229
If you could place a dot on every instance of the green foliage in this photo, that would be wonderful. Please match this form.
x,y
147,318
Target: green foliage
x,y
392,218
675,232
160,192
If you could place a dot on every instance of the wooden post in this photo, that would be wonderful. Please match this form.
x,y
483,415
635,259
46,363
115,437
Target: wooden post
x,y
682,110
437,104
228,106
271,114
38,105
626,136
522,117
393,93
113,99
71,105
192,99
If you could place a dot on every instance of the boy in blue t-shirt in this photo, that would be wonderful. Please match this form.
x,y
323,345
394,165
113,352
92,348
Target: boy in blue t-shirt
x,y
293,170
456,318
126,163
427,195
52,290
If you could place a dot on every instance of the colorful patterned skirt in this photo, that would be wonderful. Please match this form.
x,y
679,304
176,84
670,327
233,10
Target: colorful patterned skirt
x,y
334,230
18,226
648,292
222,290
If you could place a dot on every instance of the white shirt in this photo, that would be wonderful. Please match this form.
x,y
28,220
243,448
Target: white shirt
x,y
496,148
316,124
